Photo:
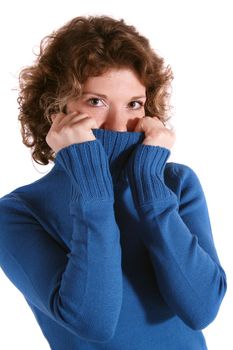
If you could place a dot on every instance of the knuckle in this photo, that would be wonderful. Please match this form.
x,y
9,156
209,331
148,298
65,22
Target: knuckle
x,y
66,129
53,134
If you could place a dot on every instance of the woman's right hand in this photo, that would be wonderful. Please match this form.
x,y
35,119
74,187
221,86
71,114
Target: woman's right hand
x,y
68,129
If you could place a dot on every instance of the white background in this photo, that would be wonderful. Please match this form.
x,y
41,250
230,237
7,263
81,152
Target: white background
x,y
195,38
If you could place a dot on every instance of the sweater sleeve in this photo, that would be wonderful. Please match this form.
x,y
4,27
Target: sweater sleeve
x,y
178,236
81,290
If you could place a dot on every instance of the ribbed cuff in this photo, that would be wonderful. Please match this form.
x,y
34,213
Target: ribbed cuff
x,y
87,165
145,170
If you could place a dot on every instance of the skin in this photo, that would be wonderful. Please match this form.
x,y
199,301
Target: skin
x,y
120,109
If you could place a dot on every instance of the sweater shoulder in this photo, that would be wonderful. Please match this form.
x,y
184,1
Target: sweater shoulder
x,y
39,198
182,179
39,203
181,172
37,187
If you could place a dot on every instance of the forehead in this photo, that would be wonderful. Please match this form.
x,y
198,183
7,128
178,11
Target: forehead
x,y
124,78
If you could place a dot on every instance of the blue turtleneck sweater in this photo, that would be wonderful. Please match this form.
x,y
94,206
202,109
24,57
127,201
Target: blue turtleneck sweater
x,y
113,248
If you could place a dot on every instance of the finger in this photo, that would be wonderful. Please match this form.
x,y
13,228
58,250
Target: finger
x,y
72,117
56,119
160,119
144,124
87,121
163,122
170,126
139,125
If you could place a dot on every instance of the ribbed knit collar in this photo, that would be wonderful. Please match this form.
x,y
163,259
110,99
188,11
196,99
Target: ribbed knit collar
x,y
118,146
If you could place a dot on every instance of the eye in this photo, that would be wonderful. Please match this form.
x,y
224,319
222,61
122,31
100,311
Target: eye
x,y
95,102
136,104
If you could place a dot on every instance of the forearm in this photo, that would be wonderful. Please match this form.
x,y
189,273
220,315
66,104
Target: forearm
x,y
91,291
191,282
189,275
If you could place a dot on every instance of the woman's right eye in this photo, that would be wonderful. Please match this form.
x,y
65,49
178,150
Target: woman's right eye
x,y
95,102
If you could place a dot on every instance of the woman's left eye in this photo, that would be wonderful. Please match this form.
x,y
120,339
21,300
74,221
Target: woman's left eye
x,y
136,104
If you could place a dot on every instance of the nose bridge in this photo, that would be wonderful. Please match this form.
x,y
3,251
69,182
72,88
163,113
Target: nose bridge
x,y
116,119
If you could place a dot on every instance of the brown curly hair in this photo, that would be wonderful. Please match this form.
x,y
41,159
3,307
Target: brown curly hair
x,y
84,47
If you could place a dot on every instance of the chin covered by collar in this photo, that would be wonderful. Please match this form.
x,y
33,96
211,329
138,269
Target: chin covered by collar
x,y
117,143
118,146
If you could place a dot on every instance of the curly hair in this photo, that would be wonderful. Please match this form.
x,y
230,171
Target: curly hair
x,y
85,47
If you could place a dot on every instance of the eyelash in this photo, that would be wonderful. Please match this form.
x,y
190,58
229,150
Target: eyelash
x,y
97,99
140,103
93,99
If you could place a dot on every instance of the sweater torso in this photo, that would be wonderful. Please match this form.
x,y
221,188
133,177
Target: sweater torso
x,y
145,320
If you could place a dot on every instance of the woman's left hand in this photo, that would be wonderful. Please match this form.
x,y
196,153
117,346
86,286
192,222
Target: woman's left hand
x,y
156,133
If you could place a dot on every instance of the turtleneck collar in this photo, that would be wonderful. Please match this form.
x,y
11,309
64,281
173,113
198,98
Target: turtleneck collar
x,y
118,146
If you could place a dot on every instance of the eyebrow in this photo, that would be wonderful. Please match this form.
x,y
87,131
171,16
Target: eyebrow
x,y
104,96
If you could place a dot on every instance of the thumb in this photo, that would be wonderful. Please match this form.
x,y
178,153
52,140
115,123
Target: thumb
x,y
139,125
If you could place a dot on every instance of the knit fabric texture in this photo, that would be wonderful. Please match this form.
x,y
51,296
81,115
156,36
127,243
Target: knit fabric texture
x,y
113,248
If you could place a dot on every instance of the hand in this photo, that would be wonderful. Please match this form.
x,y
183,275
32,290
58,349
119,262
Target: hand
x,y
68,129
156,134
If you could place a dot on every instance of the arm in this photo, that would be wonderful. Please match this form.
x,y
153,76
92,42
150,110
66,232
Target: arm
x,y
178,236
81,290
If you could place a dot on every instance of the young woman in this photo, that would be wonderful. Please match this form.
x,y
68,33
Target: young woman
x,y
113,248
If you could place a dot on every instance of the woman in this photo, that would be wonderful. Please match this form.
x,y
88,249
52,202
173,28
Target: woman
x,y
112,249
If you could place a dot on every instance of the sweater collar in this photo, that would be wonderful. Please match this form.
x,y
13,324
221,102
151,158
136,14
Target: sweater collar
x,y
118,146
